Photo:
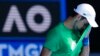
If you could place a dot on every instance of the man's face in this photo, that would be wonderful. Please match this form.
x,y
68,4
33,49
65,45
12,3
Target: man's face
x,y
80,24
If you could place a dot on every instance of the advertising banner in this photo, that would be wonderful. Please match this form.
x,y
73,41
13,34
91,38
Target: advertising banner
x,y
25,23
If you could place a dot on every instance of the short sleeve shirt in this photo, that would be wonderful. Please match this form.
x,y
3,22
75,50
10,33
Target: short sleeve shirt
x,y
62,41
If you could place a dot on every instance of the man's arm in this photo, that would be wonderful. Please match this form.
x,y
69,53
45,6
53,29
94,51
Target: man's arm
x,y
85,51
86,47
45,52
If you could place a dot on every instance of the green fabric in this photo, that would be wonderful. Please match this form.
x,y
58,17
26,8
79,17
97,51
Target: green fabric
x,y
80,40
62,42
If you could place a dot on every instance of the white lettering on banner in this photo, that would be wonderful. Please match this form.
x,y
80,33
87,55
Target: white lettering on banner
x,y
15,17
2,46
22,50
15,52
32,12
33,53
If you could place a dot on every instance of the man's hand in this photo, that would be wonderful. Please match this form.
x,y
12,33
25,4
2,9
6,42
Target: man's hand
x,y
87,35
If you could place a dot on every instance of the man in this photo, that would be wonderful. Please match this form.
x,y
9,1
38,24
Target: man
x,y
71,37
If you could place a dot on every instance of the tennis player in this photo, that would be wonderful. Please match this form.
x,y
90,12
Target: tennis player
x,y
71,38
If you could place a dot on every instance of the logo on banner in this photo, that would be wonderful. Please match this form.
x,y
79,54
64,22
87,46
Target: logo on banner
x,y
23,25
15,17
30,49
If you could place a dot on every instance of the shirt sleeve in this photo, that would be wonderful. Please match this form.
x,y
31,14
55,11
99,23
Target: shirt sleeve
x,y
52,41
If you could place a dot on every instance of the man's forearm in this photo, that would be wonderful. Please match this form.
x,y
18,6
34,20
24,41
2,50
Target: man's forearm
x,y
86,47
45,52
85,51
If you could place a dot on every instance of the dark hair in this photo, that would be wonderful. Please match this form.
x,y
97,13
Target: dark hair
x,y
73,13
83,17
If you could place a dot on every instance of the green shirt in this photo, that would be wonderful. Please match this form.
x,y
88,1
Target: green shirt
x,y
63,42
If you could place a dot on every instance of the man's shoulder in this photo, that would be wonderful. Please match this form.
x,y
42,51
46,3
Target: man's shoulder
x,y
57,28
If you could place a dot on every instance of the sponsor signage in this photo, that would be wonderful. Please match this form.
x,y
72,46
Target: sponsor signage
x,y
25,23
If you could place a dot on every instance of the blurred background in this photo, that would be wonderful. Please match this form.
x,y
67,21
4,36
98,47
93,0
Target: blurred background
x,y
25,23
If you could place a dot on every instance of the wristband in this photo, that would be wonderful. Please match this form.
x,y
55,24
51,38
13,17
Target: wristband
x,y
86,41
